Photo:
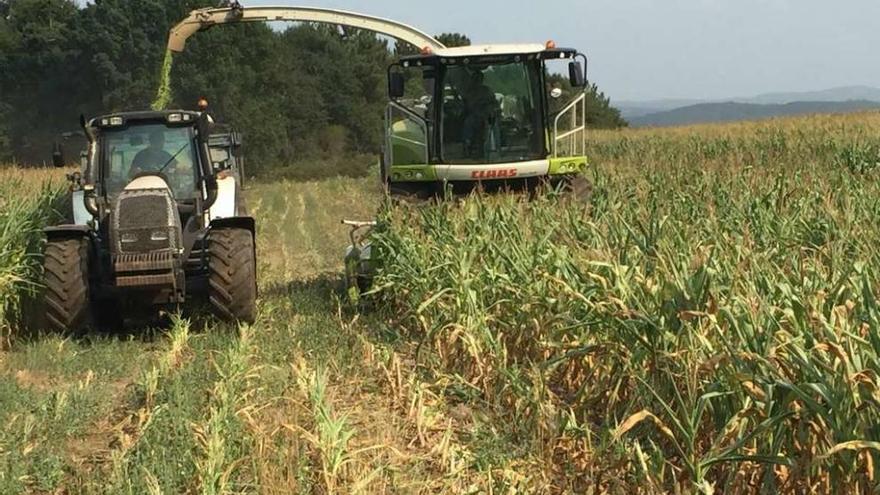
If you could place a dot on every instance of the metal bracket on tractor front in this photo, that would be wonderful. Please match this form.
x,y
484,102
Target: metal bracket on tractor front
x,y
358,259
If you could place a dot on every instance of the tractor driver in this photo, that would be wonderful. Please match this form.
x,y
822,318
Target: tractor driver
x,y
153,158
481,110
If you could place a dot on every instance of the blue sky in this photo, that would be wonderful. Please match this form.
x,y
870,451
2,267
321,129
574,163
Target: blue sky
x,y
643,49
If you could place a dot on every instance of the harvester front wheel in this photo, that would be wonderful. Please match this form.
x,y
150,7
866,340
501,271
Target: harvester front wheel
x,y
66,276
232,278
579,188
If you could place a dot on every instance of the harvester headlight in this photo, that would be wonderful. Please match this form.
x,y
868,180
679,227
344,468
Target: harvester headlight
x,y
174,118
105,122
129,238
159,235
115,120
186,117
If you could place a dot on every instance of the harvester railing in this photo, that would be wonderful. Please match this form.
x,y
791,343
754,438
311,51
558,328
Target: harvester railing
x,y
573,141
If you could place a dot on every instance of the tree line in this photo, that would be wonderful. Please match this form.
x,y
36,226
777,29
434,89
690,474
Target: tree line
x,y
306,93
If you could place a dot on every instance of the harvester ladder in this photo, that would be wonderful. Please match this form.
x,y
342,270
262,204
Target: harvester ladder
x,y
574,140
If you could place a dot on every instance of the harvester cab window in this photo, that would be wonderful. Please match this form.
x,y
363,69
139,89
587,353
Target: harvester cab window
x,y
419,88
491,113
559,92
150,148
410,123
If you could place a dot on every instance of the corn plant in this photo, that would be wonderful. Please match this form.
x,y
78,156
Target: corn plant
x,y
28,202
707,323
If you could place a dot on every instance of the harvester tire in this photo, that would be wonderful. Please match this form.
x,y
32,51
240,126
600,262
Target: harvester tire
x,y
232,275
579,188
66,276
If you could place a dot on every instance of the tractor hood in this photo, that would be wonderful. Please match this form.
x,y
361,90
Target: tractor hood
x,y
151,181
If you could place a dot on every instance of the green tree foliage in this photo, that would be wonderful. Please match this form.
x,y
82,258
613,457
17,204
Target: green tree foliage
x,y
305,93
452,40
600,113
38,58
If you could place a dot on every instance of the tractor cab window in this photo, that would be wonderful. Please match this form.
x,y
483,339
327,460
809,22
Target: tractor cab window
x,y
491,112
150,148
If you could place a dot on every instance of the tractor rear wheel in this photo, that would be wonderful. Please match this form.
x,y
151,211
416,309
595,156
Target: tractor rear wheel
x,y
232,278
66,276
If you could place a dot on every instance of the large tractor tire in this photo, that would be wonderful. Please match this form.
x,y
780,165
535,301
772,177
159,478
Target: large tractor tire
x,y
232,278
578,188
66,276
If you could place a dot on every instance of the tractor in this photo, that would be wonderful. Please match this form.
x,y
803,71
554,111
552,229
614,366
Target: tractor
x,y
158,221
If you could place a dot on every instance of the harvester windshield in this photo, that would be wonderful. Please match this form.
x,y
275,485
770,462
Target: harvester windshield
x,y
149,148
491,112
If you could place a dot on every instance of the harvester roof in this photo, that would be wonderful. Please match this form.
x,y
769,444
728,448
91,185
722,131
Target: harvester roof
x,y
496,51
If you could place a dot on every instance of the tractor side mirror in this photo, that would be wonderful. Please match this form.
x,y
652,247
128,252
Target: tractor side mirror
x,y
576,75
58,156
396,85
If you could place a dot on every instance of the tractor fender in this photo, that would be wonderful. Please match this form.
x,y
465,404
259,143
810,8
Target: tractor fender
x,y
227,198
60,232
247,223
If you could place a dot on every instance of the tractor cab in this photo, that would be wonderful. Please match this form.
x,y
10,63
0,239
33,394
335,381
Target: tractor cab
x,y
484,115
169,145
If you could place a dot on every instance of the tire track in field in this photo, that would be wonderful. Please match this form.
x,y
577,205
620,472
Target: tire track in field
x,y
111,438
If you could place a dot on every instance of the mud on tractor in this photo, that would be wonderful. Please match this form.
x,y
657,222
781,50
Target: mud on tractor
x,y
158,221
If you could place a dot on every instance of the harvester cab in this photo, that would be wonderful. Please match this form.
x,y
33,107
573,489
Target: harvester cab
x,y
484,115
158,221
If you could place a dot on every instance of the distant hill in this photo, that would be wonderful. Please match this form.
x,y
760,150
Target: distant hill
x,y
734,111
632,110
846,93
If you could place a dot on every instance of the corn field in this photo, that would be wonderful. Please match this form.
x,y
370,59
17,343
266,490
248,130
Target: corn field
x,y
28,202
706,323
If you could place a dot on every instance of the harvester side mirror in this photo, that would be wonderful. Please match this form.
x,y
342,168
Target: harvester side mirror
x,y
576,75
396,85
58,156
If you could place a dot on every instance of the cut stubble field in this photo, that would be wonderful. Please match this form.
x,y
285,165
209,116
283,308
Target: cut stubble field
x,y
707,322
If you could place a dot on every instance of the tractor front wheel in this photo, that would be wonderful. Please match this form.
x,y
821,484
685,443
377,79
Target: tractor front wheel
x,y
232,278
66,276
